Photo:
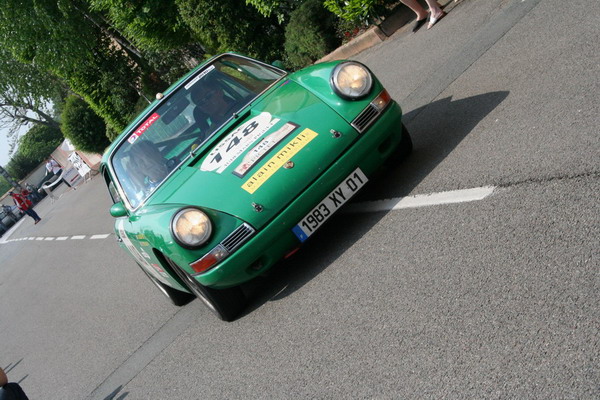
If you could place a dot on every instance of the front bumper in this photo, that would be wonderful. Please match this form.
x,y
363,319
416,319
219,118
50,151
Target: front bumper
x,y
276,239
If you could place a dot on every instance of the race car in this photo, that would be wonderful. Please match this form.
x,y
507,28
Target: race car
x,y
239,163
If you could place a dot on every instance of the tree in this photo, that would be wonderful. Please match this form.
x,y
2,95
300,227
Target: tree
x,y
310,34
60,37
19,166
27,95
83,127
231,25
39,142
280,8
148,24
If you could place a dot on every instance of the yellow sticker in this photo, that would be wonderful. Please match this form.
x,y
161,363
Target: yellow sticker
x,y
277,161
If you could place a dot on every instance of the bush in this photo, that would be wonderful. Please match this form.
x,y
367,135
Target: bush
x,y
358,11
83,127
310,34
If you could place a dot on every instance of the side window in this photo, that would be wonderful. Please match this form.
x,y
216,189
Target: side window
x,y
114,194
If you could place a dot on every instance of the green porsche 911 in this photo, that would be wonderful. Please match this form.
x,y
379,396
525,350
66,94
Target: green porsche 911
x,y
238,163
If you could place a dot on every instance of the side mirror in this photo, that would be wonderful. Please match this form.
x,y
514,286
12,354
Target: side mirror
x,y
118,210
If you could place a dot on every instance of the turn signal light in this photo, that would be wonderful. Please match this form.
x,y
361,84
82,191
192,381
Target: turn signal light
x,y
381,101
209,260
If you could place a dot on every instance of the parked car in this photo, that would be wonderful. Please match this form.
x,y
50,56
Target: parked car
x,y
238,164
9,215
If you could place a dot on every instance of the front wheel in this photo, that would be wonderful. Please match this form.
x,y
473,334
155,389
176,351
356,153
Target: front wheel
x,y
224,303
176,297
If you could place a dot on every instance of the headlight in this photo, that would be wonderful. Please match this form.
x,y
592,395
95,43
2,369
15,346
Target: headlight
x,y
191,227
351,80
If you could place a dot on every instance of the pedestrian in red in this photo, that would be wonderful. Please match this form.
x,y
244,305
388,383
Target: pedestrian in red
x,y
24,204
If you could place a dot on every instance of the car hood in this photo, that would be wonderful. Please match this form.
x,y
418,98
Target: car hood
x,y
281,144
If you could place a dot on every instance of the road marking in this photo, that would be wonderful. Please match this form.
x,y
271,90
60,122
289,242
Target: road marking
x,y
422,200
52,238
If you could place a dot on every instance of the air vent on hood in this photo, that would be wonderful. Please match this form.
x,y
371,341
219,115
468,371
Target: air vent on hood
x,y
365,118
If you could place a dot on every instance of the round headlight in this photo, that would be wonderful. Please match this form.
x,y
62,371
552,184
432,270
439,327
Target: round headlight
x,y
351,80
191,227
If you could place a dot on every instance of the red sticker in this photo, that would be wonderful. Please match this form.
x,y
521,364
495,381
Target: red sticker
x,y
143,127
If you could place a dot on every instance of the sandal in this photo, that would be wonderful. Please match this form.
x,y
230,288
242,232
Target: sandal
x,y
434,20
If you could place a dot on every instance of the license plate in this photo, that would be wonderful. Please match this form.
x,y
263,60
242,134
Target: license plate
x,y
334,200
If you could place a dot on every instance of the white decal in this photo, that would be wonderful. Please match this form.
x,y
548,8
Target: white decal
x,y
237,142
198,77
258,151
134,252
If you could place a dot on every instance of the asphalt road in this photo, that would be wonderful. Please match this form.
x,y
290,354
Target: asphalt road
x,y
496,298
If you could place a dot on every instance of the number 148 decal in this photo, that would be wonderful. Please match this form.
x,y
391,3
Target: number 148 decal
x,y
237,142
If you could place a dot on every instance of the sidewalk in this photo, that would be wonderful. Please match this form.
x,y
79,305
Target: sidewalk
x,y
398,23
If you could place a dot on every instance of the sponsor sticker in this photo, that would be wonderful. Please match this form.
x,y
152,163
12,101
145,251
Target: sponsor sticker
x,y
278,160
257,152
237,142
143,128
198,77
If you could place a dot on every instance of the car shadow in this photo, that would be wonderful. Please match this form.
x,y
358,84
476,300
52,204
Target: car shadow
x,y
436,129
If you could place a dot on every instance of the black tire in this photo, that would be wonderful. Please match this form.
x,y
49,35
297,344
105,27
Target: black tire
x,y
177,297
226,304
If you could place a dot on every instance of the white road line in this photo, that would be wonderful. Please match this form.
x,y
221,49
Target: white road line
x,y
422,200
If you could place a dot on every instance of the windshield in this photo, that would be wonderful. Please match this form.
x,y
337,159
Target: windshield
x,y
185,120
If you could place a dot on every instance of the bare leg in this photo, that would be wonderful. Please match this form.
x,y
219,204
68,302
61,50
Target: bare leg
x,y
416,7
434,7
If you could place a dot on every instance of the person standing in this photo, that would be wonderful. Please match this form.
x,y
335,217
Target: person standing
x,y
54,168
24,204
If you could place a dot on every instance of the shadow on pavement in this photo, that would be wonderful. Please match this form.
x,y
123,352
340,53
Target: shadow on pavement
x,y
436,129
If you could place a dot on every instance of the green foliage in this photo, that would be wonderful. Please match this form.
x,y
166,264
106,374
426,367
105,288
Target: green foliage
x,y
231,25
357,11
170,65
4,186
26,95
111,133
64,39
280,8
83,127
149,24
20,165
310,34
39,142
